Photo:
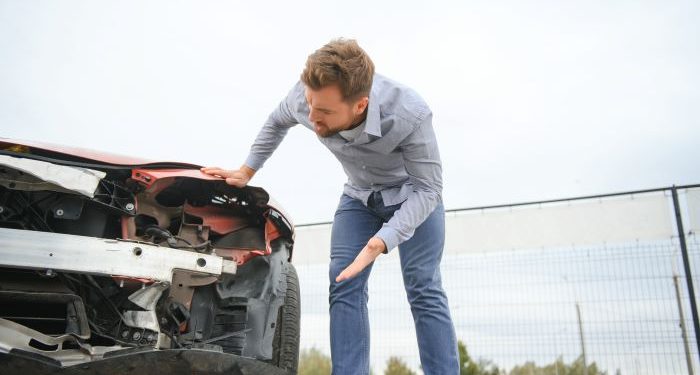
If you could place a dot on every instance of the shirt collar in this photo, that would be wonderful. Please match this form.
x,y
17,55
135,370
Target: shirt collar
x,y
352,134
373,126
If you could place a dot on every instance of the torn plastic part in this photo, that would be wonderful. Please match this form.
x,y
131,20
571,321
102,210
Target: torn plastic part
x,y
17,336
243,255
80,180
15,179
277,210
271,232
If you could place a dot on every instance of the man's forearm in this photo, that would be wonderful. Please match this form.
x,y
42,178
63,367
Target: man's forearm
x,y
411,214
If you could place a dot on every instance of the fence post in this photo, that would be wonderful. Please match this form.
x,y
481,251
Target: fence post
x,y
583,343
686,266
684,331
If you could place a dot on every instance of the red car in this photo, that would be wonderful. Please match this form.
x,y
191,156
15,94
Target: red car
x,y
120,265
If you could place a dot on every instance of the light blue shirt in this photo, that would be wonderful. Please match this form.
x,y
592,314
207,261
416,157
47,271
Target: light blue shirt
x,y
396,153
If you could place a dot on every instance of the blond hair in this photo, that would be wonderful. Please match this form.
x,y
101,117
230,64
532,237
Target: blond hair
x,y
343,63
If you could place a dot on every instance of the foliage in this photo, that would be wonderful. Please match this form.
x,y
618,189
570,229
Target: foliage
x,y
314,362
395,366
557,367
467,366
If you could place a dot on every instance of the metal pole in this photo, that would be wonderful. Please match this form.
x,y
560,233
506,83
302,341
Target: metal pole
x,y
583,345
683,329
686,266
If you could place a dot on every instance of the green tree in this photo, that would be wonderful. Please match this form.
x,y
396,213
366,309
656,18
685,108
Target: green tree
x,y
467,366
578,369
395,366
314,362
558,367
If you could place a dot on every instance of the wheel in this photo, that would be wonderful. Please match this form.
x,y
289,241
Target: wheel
x,y
285,345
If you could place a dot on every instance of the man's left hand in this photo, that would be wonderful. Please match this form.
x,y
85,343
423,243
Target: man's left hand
x,y
375,246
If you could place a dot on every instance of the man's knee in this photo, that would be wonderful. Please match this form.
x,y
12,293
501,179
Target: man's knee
x,y
425,291
339,289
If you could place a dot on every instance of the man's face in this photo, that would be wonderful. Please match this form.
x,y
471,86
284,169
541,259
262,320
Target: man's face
x,y
329,114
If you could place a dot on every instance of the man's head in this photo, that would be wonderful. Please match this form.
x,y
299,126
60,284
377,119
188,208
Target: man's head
x,y
338,79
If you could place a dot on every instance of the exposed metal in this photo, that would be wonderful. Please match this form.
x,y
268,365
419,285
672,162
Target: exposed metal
x,y
146,298
16,336
64,252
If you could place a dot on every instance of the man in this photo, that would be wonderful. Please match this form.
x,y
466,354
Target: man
x,y
381,132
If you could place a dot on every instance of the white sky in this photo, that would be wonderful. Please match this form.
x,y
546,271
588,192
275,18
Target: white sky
x,y
531,99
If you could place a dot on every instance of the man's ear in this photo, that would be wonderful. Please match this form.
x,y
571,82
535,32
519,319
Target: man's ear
x,y
361,105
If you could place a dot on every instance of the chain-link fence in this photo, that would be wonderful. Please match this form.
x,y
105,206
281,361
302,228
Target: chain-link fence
x,y
587,285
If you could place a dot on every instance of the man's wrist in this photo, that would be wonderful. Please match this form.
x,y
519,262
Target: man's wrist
x,y
389,236
378,245
250,172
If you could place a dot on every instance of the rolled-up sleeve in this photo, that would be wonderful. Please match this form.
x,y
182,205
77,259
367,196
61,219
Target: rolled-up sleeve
x,y
274,130
423,166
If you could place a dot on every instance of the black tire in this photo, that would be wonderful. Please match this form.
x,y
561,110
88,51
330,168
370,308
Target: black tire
x,y
285,345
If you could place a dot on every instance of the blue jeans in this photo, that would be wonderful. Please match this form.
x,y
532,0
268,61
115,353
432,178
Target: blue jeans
x,y
353,226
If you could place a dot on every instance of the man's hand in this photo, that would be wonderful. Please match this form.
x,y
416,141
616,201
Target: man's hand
x,y
238,178
375,246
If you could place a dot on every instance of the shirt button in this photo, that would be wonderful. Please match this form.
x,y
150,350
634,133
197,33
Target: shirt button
x,y
364,167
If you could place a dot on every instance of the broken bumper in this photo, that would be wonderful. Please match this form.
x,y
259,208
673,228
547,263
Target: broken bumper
x,y
70,253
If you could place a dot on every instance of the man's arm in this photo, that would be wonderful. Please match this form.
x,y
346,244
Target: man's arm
x,y
270,136
274,130
422,161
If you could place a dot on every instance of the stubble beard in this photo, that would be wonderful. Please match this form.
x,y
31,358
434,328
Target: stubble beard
x,y
356,121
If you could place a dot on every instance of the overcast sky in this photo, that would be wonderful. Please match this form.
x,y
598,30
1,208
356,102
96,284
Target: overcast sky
x,y
531,99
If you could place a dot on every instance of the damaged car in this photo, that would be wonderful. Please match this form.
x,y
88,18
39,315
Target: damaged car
x,y
120,265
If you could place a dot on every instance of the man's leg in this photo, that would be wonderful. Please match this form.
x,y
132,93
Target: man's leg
x,y
353,226
420,265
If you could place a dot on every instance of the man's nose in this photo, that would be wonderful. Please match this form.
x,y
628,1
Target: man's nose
x,y
313,115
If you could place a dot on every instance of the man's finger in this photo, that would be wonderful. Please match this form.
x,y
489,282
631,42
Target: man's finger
x,y
366,256
217,172
235,181
213,172
347,273
354,268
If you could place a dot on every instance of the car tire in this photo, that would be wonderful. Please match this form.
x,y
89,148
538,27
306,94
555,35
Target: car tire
x,y
285,345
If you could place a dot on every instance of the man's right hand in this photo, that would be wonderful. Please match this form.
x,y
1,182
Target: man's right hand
x,y
238,178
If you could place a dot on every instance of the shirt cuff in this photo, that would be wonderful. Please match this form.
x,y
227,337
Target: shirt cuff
x,y
254,161
390,237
